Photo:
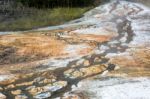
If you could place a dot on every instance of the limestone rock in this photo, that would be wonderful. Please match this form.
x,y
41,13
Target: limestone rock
x,y
42,95
1,89
56,86
10,86
77,74
97,59
35,90
83,72
38,79
16,92
71,97
45,81
86,63
2,96
30,87
21,97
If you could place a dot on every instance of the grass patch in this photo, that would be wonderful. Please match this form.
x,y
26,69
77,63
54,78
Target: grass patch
x,y
44,17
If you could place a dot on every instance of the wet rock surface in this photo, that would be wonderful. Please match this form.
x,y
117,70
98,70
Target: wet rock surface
x,y
105,53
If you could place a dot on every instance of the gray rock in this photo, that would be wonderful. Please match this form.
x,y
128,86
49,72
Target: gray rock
x,y
42,95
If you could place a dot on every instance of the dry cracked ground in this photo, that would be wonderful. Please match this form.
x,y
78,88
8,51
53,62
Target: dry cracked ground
x,y
104,55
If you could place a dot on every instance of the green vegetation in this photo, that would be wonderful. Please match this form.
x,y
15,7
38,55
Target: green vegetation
x,y
44,17
30,14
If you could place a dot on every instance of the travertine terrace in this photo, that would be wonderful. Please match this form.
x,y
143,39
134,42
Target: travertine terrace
x,y
100,55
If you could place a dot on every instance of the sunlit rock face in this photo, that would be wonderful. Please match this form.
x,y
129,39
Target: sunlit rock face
x,y
28,47
104,53
133,61
112,88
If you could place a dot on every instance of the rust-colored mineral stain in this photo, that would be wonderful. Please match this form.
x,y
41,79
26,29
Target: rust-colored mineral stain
x,y
34,45
97,38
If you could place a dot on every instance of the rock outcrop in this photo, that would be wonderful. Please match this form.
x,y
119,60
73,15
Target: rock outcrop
x,y
100,55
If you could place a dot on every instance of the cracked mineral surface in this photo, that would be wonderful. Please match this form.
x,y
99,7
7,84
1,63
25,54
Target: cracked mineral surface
x,y
103,55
